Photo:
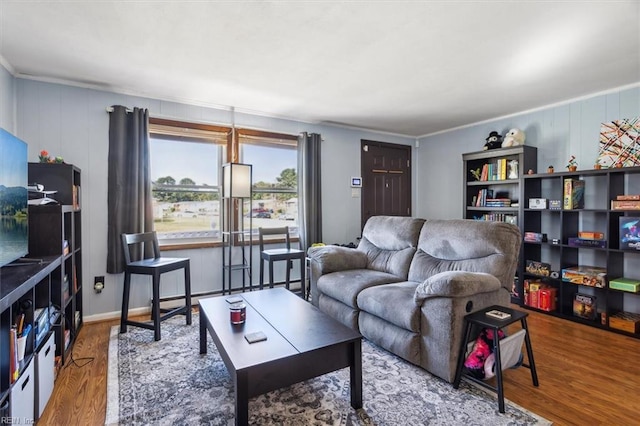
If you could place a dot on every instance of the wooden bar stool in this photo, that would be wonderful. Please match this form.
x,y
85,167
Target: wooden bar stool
x,y
135,247
274,255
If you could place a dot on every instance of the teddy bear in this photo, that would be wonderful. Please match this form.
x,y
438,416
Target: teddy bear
x,y
494,141
514,137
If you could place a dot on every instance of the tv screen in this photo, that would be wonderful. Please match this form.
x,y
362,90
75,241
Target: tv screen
x,y
14,237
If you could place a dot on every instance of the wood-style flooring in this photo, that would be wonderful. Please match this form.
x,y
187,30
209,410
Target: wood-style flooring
x,y
587,377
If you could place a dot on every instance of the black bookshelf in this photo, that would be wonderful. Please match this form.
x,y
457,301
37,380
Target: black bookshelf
x,y
601,187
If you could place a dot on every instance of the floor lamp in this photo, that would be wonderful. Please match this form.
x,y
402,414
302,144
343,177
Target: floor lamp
x,y
236,187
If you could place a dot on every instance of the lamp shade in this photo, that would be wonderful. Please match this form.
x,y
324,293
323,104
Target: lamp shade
x,y
236,180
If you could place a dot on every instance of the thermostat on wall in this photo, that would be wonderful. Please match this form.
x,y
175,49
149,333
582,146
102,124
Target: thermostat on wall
x,y
356,182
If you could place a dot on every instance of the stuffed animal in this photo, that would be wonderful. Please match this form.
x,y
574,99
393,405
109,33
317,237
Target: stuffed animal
x,y
480,355
494,141
514,137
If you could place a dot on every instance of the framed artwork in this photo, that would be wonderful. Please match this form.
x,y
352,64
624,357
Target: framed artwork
x,y
620,143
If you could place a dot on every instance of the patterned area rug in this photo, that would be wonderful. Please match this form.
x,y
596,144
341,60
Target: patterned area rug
x,y
170,383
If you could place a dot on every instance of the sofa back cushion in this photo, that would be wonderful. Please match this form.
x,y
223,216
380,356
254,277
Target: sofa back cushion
x,y
390,243
467,245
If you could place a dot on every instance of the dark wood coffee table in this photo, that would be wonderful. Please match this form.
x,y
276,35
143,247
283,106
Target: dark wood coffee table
x,y
302,343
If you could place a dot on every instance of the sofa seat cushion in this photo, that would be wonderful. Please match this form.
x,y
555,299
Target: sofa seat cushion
x,y
344,286
393,303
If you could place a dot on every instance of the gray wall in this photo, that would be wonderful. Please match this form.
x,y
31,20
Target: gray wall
x,y
72,122
558,132
7,101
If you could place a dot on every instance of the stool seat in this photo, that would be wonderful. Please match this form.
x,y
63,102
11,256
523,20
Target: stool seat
x,y
142,256
480,319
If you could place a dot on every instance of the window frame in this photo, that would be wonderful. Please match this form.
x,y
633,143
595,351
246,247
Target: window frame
x,y
232,148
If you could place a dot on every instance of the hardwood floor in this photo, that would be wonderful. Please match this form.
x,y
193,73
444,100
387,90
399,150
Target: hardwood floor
x,y
587,376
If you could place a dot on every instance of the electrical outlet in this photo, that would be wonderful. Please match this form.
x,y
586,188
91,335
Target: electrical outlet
x,y
98,284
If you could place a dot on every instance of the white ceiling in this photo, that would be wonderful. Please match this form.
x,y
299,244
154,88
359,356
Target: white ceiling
x,y
407,67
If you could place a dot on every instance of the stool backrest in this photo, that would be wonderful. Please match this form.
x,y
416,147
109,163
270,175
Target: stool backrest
x,y
140,246
282,231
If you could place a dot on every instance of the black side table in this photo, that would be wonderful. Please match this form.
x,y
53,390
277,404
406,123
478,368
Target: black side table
x,y
482,320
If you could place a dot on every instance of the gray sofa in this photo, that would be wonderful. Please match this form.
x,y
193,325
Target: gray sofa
x,y
410,282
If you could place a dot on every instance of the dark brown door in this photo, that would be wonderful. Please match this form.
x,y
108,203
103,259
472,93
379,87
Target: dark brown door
x,y
386,179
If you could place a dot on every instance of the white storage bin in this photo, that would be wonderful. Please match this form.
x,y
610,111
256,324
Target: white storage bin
x,y
23,397
45,365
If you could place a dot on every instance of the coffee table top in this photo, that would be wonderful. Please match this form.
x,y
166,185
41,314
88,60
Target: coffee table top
x,y
292,326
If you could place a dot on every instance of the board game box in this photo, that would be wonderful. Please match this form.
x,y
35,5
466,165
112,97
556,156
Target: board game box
x,y
629,233
625,284
591,276
573,194
584,306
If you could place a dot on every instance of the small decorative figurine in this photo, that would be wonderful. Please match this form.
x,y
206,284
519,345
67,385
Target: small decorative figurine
x,y
494,141
514,137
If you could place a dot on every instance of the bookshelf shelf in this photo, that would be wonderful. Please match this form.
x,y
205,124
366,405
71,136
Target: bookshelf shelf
x,y
513,161
601,187
25,290
56,229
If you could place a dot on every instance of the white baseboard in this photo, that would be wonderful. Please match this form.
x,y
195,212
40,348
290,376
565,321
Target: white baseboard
x,y
195,301
105,316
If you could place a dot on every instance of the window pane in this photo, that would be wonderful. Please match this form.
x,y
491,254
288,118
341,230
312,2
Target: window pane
x,y
275,182
184,178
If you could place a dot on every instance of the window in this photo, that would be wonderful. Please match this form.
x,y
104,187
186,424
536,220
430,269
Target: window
x,y
274,158
185,159
186,163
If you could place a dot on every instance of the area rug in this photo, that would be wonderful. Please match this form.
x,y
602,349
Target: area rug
x,y
169,383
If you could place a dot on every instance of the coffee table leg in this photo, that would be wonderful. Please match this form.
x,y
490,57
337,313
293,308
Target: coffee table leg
x,y
242,398
203,333
356,374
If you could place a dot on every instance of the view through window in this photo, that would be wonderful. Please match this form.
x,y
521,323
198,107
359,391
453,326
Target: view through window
x,y
186,164
184,185
275,181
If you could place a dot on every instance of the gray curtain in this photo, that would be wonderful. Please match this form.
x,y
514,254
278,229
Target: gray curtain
x,y
309,190
129,187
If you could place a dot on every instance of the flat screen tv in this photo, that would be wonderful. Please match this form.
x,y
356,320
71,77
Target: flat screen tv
x,y
14,196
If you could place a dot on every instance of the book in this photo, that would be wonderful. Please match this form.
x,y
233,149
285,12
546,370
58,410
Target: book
x,y
584,306
14,367
573,194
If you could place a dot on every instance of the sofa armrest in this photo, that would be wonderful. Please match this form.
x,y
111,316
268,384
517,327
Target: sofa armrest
x,y
455,284
329,259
